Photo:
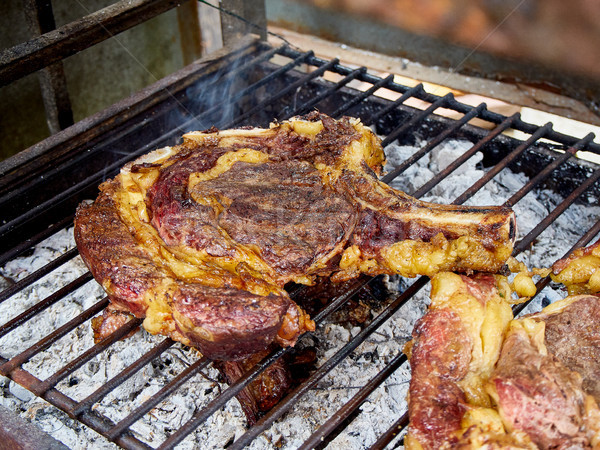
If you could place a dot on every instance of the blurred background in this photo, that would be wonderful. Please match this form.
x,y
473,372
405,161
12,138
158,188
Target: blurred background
x,y
539,54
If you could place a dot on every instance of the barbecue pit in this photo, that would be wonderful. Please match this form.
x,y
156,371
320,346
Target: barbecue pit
x,y
125,390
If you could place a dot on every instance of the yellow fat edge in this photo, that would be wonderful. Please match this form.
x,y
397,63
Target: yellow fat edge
x,y
225,162
485,324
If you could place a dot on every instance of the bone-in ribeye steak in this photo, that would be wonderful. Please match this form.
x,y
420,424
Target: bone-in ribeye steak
x,y
200,238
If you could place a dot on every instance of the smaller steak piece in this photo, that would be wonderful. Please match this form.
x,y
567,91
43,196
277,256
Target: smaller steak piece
x,y
573,336
579,272
440,359
454,348
538,395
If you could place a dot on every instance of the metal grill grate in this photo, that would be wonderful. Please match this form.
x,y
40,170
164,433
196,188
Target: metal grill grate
x,y
251,85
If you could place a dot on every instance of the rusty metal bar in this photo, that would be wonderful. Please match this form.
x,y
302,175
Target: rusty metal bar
x,y
303,109
53,46
550,218
434,143
415,91
124,375
117,430
53,82
548,169
439,103
44,304
539,133
65,403
235,388
7,367
305,79
324,433
391,433
76,363
289,400
35,276
543,282
504,125
356,99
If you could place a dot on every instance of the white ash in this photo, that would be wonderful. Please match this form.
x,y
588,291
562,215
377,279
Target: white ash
x,y
383,407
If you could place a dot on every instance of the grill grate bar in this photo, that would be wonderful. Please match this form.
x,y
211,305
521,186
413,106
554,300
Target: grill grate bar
x,y
457,106
355,100
440,102
117,430
242,382
124,375
65,403
326,430
289,400
549,169
44,304
306,107
412,92
550,218
35,276
98,348
26,244
434,143
46,342
301,82
391,433
540,132
503,126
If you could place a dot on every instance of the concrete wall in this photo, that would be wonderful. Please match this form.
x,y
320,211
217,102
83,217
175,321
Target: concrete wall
x,y
96,77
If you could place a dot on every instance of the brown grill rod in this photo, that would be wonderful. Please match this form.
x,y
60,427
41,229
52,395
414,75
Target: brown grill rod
x,y
241,383
44,304
549,168
543,282
301,82
434,143
324,432
500,128
76,363
26,244
391,433
306,107
7,367
356,99
117,430
538,134
26,58
121,377
549,219
33,277
289,400
400,130
65,403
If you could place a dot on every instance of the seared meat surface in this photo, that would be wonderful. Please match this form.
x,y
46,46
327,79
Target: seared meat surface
x,y
454,348
201,238
572,334
539,395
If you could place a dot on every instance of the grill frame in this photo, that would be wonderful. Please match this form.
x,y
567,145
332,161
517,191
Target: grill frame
x,y
124,118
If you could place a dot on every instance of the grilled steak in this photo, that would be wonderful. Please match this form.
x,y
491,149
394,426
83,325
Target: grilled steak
x,y
572,334
539,395
201,238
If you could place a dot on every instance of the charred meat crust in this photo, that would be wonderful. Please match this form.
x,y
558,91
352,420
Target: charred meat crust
x,y
130,275
573,336
228,323
539,395
440,358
